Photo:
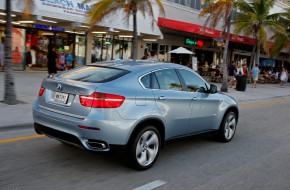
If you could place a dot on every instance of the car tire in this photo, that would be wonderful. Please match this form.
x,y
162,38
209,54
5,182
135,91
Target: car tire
x,y
228,127
145,148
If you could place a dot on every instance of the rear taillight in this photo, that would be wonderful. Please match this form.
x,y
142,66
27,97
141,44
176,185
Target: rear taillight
x,y
41,91
102,100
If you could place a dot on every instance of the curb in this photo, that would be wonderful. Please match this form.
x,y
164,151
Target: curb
x,y
262,98
17,126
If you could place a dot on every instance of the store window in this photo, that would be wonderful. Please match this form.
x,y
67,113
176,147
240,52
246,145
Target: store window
x,y
149,46
109,47
17,47
80,50
96,48
39,42
163,55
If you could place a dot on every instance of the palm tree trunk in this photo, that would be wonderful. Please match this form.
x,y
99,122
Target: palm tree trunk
x,y
258,54
10,95
224,87
135,36
253,54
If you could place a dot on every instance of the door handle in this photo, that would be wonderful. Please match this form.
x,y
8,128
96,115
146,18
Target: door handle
x,y
161,98
194,98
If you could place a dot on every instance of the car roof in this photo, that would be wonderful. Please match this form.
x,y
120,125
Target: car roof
x,y
130,65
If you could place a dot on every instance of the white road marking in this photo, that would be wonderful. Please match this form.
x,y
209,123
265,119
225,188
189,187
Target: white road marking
x,y
151,185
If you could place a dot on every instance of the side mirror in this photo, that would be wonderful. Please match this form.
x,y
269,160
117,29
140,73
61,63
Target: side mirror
x,y
213,89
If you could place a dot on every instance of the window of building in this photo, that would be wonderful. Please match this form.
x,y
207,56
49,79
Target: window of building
x,y
196,4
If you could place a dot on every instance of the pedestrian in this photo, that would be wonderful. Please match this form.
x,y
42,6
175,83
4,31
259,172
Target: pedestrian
x,y
33,56
283,77
232,72
240,71
153,56
255,75
245,70
52,59
145,56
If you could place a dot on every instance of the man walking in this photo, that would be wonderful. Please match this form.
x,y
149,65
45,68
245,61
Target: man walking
x,y
232,72
255,75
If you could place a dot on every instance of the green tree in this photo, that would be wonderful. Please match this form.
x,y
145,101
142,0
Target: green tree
x,y
282,40
102,8
255,20
9,85
216,11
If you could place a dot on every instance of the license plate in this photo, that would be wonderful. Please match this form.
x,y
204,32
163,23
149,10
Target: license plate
x,y
60,97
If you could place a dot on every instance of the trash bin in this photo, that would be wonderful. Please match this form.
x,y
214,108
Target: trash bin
x,y
241,83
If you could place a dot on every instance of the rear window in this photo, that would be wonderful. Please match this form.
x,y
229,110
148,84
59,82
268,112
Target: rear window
x,y
94,74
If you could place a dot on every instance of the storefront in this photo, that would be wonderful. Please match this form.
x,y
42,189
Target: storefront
x,y
30,46
18,46
109,47
70,47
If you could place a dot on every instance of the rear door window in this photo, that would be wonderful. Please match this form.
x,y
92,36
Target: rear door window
x,y
168,80
94,74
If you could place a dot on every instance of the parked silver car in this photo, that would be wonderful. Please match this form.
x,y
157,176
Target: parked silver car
x,y
138,105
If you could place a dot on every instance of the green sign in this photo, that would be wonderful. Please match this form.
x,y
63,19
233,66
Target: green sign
x,y
190,42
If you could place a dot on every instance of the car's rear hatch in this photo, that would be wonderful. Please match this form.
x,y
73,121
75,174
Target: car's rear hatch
x,y
62,93
62,96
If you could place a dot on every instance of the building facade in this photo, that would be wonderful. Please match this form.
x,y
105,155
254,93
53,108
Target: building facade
x,y
63,24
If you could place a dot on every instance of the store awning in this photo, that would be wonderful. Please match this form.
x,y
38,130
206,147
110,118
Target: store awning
x,y
201,30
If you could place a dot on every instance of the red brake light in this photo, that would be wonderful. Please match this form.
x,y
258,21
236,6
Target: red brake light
x,y
102,100
41,91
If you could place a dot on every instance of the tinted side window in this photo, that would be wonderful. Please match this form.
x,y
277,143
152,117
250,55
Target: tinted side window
x,y
93,74
155,84
145,80
192,81
168,80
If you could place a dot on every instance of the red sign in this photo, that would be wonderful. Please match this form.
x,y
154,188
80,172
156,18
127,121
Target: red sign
x,y
201,30
199,43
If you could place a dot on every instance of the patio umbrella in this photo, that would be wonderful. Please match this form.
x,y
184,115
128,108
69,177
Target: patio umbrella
x,y
180,50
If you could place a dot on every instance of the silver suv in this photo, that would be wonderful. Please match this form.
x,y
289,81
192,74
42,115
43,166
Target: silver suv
x,y
137,105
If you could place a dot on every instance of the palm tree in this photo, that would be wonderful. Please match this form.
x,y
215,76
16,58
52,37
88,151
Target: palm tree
x,y
102,8
9,92
255,20
220,10
282,40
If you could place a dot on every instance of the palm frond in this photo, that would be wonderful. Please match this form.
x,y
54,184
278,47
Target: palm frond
x,y
263,40
103,8
280,41
275,27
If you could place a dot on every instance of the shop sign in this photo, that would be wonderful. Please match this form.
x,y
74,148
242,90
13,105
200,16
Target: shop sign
x,y
192,42
41,26
68,7
197,29
46,27
55,28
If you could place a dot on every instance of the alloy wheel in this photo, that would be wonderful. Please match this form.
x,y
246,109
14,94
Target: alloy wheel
x,y
147,148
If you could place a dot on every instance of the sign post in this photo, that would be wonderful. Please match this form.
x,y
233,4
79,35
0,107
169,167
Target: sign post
x,y
194,63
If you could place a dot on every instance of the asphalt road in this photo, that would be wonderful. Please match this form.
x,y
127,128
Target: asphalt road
x,y
257,158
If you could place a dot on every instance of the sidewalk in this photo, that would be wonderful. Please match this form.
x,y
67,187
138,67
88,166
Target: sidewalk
x,y
27,84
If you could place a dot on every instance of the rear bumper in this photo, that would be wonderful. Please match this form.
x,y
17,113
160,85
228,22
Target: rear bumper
x,y
90,144
109,132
